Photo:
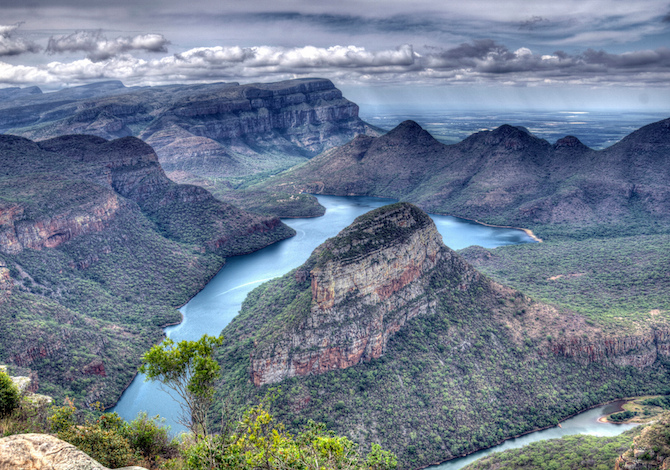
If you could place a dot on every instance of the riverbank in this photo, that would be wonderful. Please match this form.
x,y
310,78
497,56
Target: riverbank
x,y
641,408
575,423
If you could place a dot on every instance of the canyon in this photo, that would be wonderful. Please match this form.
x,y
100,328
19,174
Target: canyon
x,y
97,248
388,335
198,131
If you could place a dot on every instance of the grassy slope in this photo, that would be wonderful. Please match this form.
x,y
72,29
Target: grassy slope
x,y
621,283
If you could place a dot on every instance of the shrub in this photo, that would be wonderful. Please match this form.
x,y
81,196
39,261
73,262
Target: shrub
x,y
10,397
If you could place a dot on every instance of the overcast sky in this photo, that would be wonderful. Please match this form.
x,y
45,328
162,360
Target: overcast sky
x,y
453,54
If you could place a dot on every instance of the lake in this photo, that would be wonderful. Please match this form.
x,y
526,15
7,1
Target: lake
x,y
216,305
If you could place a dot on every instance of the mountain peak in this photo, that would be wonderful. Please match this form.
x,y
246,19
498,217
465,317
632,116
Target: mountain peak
x,y
386,226
409,133
357,290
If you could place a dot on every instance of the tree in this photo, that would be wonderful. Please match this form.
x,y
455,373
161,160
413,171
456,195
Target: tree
x,y
189,370
10,397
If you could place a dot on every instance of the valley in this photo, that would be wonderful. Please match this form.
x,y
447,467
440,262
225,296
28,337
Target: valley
x,y
383,333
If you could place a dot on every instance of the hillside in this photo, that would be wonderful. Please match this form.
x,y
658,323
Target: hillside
x,y
641,448
97,248
388,336
506,176
198,131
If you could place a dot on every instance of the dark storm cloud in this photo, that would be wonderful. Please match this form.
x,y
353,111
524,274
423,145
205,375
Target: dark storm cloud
x,y
98,47
10,45
666,18
406,23
533,23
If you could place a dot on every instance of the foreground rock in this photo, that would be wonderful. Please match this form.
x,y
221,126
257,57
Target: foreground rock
x,y
44,452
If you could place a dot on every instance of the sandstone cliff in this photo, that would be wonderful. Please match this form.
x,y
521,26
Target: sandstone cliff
x,y
205,130
365,285
389,336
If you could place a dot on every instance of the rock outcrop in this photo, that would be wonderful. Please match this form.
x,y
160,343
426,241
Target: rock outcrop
x,y
45,452
640,350
365,284
650,450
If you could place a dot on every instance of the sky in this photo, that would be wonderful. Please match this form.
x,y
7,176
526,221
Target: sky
x,y
562,54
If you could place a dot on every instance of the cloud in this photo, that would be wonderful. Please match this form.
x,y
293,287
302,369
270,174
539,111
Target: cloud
x,y
14,46
532,23
99,48
481,61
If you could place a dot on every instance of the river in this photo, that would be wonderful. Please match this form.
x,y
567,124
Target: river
x,y
216,305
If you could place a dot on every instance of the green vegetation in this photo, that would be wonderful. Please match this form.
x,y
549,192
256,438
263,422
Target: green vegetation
x,y
452,381
568,453
255,441
620,283
9,395
188,369
621,416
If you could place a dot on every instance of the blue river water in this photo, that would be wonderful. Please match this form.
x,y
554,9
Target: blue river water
x,y
216,305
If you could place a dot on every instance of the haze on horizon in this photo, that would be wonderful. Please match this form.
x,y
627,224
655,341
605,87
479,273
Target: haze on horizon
x,y
579,55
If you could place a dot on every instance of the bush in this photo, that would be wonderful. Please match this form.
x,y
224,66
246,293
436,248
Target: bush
x,y
10,397
108,447
149,438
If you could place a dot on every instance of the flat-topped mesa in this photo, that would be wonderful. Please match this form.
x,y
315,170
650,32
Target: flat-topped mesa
x,y
360,288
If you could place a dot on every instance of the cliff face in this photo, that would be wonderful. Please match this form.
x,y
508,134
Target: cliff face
x,y
17,233
364,286
639,350
97,249
207,130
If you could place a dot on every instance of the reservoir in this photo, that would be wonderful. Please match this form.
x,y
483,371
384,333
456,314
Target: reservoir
x,y
216,305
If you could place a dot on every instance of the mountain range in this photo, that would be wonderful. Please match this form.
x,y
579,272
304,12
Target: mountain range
x,y
505,176
212,130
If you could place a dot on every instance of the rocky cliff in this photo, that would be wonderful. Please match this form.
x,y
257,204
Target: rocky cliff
x,y
365,285
640,350
389,336
650,450
97,248
204,130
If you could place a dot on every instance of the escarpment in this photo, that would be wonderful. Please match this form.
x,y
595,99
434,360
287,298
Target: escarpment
x,y
360,289
639,350
97,248
219,129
